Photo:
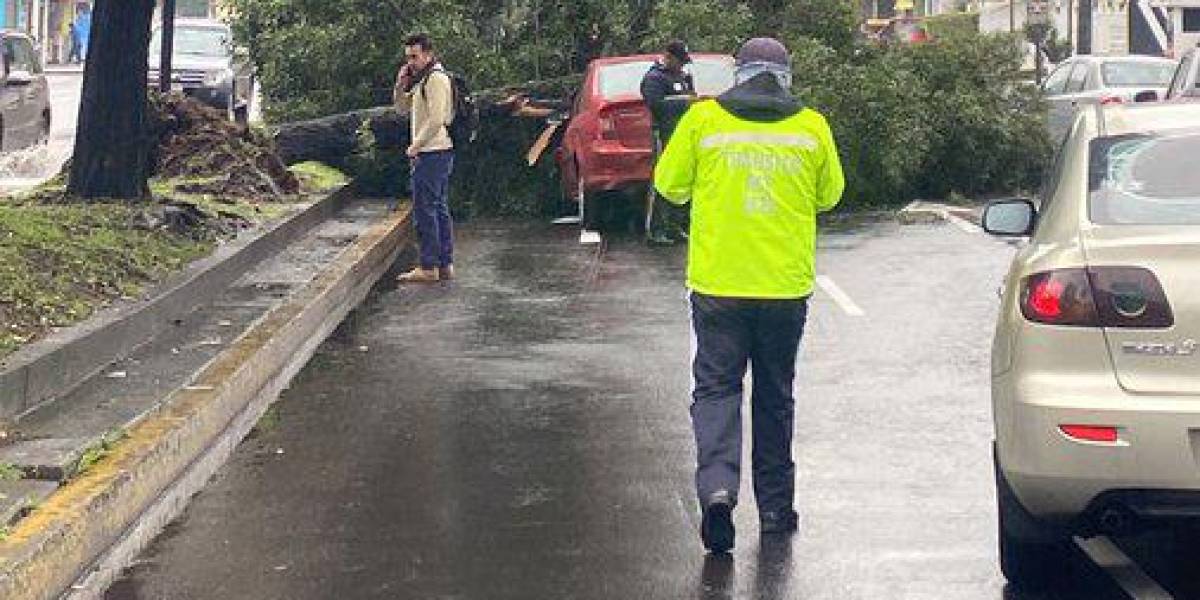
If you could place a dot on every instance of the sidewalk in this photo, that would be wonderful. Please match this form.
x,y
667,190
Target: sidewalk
x,y
129,445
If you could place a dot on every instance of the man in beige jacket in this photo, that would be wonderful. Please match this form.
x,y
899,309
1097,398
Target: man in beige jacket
x,y
425,92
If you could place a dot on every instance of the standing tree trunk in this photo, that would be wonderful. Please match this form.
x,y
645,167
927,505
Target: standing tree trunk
x,y
112,153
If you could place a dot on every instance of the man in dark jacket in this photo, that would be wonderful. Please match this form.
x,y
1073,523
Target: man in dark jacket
x,y
668,90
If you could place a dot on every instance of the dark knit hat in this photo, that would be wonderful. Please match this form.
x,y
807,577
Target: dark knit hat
x,y
679,50
764,50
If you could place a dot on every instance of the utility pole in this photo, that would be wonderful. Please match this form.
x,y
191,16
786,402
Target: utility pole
x,y
1084,38
1012,16
168,46
1071,25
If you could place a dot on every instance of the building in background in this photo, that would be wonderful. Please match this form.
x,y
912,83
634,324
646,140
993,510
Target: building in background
x,y
47,21
1166,27
196,8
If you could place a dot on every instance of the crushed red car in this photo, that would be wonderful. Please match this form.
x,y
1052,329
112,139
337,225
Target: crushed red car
x,y
606,155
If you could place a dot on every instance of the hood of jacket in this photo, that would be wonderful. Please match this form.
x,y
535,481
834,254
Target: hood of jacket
x,y
760,99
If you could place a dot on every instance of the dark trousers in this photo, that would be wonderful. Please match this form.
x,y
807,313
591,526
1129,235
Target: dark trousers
x,y
662,217
729,333
431,207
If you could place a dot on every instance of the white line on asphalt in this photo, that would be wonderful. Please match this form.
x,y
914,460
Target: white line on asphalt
x,y
1122,569
840,297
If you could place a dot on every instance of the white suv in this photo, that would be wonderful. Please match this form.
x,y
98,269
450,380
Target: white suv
x,y
1096,364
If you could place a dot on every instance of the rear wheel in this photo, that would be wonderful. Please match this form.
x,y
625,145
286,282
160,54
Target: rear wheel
x,y
1031,555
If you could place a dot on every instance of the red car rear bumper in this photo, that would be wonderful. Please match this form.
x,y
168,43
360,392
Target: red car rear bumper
x,y
612,168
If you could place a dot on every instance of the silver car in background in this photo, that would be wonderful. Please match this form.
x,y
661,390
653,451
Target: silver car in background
x,y
206,66
1084,81
25,95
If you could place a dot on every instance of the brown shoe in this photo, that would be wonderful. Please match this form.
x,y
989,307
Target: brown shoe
x,y
446,273
419,275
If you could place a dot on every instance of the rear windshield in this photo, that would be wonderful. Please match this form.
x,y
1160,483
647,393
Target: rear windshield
x,y
712,77
1133,74
1145,179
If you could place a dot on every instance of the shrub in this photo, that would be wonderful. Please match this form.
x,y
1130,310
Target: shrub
x,y
706,25
927,119
953,25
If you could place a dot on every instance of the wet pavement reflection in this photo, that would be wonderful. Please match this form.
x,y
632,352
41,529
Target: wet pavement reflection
x,y
522,433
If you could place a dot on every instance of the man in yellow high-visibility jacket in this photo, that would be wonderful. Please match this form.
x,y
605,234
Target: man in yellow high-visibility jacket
x,y
757,166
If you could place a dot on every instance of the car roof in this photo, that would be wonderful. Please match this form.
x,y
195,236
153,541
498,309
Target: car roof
x,y
621,60
200,22
1137,118
1132,58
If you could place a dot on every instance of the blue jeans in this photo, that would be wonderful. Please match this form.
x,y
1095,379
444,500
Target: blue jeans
x,y
431,190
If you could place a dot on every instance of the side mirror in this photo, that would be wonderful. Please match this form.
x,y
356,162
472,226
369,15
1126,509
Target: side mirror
x,y
19,78
1014,217
1146,96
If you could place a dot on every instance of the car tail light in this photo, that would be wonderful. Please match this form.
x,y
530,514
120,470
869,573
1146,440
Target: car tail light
x,y
1130,297
608,128
1112,100
1091,433
1061,297
1118,297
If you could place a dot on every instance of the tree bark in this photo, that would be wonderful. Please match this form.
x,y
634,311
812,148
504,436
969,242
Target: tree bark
x,y
112,153
333,138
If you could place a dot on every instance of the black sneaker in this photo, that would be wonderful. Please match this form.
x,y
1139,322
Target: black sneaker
x,y
786,521
716,529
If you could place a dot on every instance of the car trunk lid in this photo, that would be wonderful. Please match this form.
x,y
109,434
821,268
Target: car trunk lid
x,y
626,122
1158,361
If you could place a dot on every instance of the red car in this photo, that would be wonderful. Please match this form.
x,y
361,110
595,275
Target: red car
x,y
606,152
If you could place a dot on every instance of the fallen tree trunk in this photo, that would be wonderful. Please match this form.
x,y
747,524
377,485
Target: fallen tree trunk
x,y
335,138
491,175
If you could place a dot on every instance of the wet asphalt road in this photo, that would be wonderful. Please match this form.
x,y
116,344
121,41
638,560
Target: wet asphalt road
x,y
523,433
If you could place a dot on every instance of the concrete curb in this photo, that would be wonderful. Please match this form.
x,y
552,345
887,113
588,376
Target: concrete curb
x,y
79,539
52,367
922,212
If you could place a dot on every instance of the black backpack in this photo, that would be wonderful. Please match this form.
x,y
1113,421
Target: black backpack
x,y
464,128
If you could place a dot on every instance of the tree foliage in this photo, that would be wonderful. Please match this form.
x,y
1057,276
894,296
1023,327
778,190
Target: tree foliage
x,y
911,120
707,25
928,119
317,57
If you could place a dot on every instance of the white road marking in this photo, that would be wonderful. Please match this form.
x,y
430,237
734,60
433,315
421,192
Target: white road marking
x,y
961,223
839,296
1122,569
